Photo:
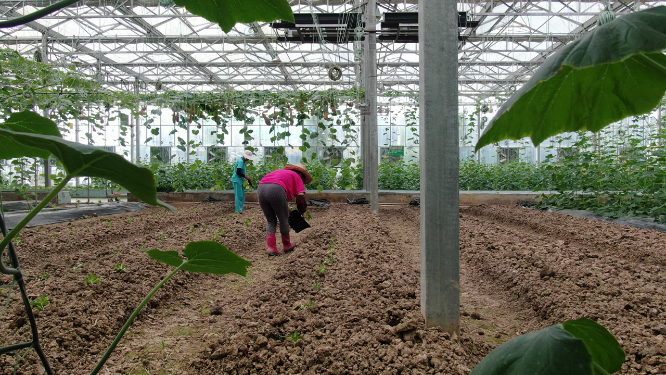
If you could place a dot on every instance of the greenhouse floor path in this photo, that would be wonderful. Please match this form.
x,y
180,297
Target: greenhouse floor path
x,y
64,213
521,270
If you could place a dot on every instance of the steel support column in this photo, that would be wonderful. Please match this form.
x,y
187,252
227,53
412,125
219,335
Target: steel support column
x,y
133,112
439,154
370,149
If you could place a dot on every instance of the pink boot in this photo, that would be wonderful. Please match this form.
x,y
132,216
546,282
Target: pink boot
x,y
288,245
271,240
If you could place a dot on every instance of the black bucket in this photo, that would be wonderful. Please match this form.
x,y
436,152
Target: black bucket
x,y
297,222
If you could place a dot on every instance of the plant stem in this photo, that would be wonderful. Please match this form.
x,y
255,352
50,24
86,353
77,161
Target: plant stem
x,y
36,15
26,220
129,321
650,63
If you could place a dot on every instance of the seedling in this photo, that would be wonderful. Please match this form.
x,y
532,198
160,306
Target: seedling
x,y
307,305
331,245
247,222
217,234
53,235
78,266
118,252
322,267
163,237
99,202
120,267
307,215
109,223
45,275
92,279
40,303
316,285
192,229
330,260
294,336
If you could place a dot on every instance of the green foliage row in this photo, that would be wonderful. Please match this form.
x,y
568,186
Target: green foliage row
x,y
392,176
217,176
628,183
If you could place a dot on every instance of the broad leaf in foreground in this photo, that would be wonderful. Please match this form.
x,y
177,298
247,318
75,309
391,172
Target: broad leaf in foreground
x,y
83,160
578,347
605,350
227,13
204,257
26,122
615,71
550,351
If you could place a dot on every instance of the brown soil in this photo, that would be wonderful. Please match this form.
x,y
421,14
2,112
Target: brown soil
x,y
521,270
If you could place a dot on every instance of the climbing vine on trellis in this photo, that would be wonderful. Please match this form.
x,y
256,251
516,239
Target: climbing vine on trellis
x,y
69,96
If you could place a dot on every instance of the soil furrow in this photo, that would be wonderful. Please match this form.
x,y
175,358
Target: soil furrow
x,y
346,301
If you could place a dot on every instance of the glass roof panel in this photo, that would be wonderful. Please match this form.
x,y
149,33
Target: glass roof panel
x,y
141,40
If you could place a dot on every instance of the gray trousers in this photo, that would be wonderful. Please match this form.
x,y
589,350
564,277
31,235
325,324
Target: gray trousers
x,y
273,201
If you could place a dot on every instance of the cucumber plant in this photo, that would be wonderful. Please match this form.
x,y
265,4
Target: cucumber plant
x,y
28,134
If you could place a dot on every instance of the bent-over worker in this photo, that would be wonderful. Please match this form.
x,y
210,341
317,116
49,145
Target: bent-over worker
x,y
275,191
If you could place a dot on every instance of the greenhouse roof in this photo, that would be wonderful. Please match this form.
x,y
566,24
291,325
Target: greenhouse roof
x,y
144,44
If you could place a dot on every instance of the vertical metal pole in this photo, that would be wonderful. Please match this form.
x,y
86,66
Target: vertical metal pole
x,y
47,162
365,108
77,130
187,149
440,248
370,160
131,126
136,123
45,50
478,135
659,124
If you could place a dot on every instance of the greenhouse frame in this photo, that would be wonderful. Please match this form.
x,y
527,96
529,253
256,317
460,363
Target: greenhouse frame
x,y
166,56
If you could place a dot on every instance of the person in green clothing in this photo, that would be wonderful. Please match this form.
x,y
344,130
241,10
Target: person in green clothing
x,y
239,176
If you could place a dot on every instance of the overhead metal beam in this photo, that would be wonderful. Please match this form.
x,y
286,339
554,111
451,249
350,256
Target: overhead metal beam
x,y
185,55
212,40
581,30
253,64
322,82
269,49
80,48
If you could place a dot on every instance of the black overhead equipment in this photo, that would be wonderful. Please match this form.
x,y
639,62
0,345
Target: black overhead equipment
x,y
400,27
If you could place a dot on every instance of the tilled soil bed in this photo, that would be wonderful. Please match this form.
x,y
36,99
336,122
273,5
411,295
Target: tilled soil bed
x,y
346,301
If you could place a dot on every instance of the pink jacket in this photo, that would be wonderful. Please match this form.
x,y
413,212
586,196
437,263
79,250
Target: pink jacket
x,y
289,180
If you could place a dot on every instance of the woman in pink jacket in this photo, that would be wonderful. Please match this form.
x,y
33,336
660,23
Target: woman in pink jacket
x,y
275,191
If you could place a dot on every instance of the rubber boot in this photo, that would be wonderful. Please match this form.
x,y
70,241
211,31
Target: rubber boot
x,y
271,240
288,245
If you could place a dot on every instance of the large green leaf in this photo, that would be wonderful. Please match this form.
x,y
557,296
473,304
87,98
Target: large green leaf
x,y
26,122
82,160
605,350
550,351
227,13
204,257
617,70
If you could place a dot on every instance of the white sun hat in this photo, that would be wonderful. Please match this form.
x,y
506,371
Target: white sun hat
x,y
247,154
